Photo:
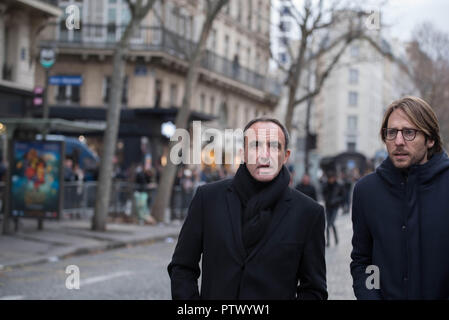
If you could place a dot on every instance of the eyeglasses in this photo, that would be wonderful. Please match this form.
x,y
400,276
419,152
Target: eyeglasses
x,y
407,134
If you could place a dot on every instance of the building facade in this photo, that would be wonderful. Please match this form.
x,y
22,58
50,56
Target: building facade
x,y
20,23
346,116
354,98
233,85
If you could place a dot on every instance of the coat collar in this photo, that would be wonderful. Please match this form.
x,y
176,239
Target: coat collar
x,y
234,210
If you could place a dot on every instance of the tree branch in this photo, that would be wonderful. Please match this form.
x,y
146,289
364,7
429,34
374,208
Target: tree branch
x,y
320,80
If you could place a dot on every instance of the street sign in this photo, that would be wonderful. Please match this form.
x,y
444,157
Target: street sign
x,y
140,70
47,57
65,80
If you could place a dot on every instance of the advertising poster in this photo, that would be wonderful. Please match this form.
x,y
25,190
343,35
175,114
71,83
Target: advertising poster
x,y
36,179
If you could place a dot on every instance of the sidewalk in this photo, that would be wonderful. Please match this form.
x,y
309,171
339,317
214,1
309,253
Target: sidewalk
x,y
61,239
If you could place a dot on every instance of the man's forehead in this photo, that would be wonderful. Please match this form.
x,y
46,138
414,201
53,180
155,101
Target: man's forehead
x,y
399,117
264,130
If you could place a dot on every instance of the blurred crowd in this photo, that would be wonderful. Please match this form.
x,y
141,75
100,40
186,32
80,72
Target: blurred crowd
x,y
332,189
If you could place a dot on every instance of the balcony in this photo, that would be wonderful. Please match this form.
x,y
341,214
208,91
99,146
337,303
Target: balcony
x,y
157,39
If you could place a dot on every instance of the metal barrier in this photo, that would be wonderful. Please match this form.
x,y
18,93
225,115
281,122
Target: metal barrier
x,y
79,199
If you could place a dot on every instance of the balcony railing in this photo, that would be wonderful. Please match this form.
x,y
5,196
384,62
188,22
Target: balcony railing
x,y
146,38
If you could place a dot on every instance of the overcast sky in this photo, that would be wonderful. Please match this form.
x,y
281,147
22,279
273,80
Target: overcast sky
x,y
404,15
400,16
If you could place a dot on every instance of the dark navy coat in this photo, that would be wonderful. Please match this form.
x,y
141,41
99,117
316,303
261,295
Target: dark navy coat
x,y
287,263
401,225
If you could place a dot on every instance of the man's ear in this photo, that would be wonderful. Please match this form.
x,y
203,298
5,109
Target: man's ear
x,y
430,143
287,155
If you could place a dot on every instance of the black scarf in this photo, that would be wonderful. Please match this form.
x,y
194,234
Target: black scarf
x,y
258,200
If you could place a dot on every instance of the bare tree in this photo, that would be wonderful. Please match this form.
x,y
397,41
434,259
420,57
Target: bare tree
x,y
163,196
429,68
316,22
138,9
325,34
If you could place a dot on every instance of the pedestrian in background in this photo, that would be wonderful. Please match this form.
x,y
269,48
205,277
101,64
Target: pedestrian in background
x,y
347,187
306,187
333,194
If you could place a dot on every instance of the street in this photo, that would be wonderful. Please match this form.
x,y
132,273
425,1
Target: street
x,y
140,272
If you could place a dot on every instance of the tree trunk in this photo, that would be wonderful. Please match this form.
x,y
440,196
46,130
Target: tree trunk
x,y
110,135
307,142
164,192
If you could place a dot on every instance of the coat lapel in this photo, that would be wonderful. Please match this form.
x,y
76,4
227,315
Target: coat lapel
x,y
234,209
279,212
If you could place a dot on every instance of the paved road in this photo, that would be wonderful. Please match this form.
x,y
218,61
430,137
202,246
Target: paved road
x,y
140,273
339,280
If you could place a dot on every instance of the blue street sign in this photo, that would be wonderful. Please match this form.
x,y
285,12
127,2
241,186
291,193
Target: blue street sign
x,y
65,80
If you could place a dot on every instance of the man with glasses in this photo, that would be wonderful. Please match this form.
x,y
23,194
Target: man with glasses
x,y
400,212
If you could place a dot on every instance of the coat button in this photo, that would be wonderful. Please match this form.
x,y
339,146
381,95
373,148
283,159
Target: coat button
x,y
405,278
403,228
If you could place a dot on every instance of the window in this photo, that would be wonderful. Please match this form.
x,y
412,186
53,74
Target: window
x,y
250,15
125,91
68,94
213,40
202,103
226,48
112,18
355,51
352,123
285,26
285,11
283,57
212,105
157,93
353,76
94,15
351,146
353,98
236,117
173,95
259,16
239,11
107,84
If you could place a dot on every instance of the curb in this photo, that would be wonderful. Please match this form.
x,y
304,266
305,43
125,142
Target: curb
x,y
79,251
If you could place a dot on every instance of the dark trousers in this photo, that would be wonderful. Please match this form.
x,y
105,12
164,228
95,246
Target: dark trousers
x,y
331,215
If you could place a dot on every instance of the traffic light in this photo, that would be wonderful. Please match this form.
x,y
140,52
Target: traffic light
x,y
38,98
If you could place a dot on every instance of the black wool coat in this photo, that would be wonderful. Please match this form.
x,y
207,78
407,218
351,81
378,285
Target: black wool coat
x,y
287,263
401,225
